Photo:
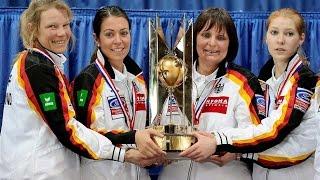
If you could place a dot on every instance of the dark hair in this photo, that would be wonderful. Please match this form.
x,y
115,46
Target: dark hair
x,y
219,18
101,14
105,12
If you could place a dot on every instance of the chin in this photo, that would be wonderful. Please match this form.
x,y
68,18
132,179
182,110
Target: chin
x,y
59,50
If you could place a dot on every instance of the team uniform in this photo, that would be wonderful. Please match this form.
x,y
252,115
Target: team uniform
x,y
284,142
230,97
317,154
108,101
39,130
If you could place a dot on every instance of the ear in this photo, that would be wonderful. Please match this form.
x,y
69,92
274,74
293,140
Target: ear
x,y
302,38
96,39
29,27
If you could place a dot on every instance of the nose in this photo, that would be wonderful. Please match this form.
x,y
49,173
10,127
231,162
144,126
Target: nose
x,y
61,31
117,38
212,41
280,39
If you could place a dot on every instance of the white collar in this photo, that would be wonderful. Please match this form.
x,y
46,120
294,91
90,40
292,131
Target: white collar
x,y
118,76
289,68
199,77
58,59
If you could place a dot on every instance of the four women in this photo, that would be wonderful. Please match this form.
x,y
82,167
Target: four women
x,y
109,98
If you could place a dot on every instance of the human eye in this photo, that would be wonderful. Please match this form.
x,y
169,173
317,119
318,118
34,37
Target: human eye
x,y
206,34
274,32
221,37
108,34
124,33
66,25
289,33
52,26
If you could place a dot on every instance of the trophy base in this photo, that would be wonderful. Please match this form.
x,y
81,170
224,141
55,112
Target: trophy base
x,y
176,139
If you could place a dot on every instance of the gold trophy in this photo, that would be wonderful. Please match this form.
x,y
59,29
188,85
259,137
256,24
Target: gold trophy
x,y
170,87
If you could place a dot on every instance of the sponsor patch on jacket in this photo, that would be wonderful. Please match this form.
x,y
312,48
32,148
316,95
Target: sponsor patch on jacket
x,y
115,108
303,98
172,107
140,102
216,104
261,104
48,101
82,97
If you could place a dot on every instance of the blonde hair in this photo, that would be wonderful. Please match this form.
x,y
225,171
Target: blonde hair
x,y
298,21
289,13
30,19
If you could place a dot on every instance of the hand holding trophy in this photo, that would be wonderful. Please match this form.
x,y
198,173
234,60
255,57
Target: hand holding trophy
x,y
170,99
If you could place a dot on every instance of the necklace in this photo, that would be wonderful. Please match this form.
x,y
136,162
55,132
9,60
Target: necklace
x,y
214,83
200,91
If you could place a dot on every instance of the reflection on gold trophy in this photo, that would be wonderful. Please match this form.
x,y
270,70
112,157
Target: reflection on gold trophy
x,y
172,98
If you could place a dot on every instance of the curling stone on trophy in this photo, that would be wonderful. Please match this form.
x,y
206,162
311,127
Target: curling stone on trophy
x,y
170,87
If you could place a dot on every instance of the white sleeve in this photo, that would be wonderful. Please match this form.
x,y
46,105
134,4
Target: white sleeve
x,y
273,129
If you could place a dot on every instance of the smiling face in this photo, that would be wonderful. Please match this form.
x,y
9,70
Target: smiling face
x,y
283,38
114,38
54,30
212,46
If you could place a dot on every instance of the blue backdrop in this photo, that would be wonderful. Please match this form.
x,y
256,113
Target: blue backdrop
x,y
250,28
231,5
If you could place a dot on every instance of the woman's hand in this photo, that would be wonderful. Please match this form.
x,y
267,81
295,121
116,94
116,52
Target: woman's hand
x,y
204,147
222,160
136,157
146,145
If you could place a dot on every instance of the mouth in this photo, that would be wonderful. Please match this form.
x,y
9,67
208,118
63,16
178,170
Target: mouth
x,y
280,49
117,50
210,52
59,42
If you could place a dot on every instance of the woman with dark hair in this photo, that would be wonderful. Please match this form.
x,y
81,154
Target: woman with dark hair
x,y
224,95
283,144
110,96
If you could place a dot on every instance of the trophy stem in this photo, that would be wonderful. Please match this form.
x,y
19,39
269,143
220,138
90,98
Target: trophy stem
x,y
171,99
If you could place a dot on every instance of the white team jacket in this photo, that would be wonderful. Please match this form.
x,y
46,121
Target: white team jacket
x,y
105,114
229,101
38,122
287,136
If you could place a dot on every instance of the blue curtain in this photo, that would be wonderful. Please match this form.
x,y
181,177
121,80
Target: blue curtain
x,y
231,5
250,28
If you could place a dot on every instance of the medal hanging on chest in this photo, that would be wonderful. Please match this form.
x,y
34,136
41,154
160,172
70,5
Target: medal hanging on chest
x,y
129,120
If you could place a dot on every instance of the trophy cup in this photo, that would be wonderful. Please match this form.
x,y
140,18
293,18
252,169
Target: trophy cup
x,y
170,87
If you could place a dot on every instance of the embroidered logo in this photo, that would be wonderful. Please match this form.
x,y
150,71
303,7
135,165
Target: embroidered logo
x,y
115,108
303,97
48,101
261,104
141,102
82,97
216,104
218,88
